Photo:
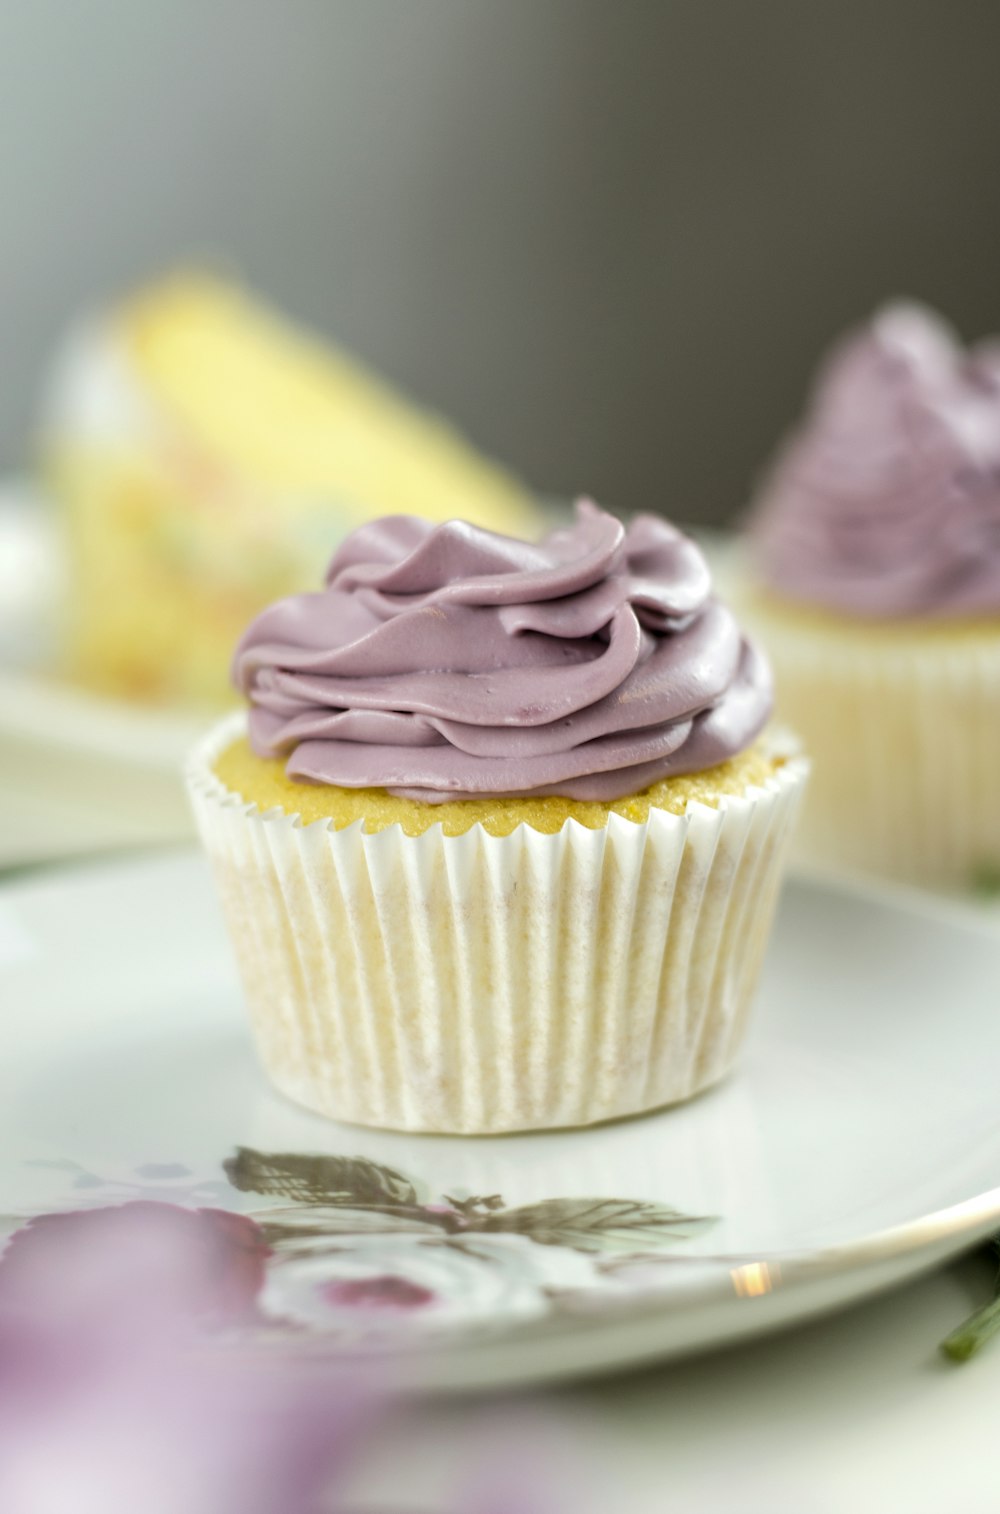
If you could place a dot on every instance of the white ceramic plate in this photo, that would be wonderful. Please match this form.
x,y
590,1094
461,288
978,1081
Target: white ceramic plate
x,y
859,1143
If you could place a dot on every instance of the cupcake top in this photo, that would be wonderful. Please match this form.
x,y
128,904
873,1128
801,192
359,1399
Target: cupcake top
x,y
886,502
448,662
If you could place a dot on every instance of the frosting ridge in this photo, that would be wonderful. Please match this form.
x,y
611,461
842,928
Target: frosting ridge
x,y
448,662
886,501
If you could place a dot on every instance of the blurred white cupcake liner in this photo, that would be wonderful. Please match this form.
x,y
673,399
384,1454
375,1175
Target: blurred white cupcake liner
x,y
904,736
479,984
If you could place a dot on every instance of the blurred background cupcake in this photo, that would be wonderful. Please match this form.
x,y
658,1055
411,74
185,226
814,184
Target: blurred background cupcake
x,y
875,546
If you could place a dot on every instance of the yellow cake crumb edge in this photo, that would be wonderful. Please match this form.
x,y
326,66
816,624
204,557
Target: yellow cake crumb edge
x,y
262,781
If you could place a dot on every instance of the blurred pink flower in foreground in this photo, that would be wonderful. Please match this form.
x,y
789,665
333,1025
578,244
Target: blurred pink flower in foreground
x,y
140,1262
116,1396
133,1380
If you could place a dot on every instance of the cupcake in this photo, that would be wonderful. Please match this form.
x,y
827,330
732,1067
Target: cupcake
x,y
500,842
203,452
876,551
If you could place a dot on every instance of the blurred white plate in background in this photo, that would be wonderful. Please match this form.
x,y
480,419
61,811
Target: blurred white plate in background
x,y
858,1144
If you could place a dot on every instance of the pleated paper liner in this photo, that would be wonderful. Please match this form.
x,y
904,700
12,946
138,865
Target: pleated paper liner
x,y
479,984
904,735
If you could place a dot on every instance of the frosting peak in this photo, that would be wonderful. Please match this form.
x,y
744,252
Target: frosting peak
x,y
445,662
886,502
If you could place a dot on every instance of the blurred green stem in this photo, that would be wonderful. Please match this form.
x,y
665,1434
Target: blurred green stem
x,y
974,1333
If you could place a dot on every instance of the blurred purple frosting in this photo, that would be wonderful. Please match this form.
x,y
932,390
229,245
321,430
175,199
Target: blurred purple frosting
x,y
446,662
886,502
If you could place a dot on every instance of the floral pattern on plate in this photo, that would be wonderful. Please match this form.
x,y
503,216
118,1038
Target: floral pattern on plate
x,y
343,1247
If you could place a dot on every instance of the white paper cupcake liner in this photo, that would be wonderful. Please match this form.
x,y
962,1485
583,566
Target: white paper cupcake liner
x,y
905,740
477,983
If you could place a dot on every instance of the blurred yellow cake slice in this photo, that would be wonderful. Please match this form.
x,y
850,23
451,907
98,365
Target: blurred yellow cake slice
x,y
208,456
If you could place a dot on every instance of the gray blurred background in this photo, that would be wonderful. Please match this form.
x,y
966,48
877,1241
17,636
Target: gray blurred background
x,y
608,237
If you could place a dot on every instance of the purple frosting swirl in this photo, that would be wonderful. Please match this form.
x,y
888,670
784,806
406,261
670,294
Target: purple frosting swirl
x,y
887,501
446,662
